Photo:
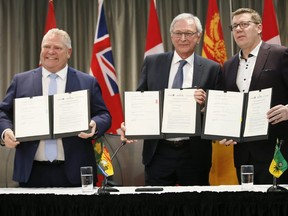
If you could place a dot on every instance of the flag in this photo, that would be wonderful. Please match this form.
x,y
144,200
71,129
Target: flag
x,y
50,19
270,32
222,170
102,67
278,164
154,43
103,159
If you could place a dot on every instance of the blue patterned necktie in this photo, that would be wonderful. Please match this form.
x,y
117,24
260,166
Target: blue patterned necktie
x,y
51,144
178,80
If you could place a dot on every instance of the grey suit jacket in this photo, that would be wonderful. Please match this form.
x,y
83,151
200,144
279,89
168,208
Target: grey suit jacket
x,y
271,70
155,77
78,152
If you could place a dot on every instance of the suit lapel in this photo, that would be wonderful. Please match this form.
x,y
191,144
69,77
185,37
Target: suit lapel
x,y
37,81
198,71
166,70
260,63
71,80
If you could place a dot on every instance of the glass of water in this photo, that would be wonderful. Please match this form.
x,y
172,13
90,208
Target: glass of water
x,y
247,177
87,178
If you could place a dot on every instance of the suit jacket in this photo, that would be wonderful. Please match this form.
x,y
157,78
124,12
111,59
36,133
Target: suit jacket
x,y
78,152
155,77
271,70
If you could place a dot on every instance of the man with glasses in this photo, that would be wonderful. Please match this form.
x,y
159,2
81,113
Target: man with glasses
x,y
258,65
179,161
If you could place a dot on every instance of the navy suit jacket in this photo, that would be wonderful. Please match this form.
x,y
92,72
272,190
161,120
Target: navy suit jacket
x,y
155,77
78,152
271,70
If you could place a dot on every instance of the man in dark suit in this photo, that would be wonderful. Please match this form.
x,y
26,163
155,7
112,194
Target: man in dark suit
x,y
179,161
32,167
257,66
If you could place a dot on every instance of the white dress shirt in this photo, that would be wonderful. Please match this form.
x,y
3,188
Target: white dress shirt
x,y
245,69
61,85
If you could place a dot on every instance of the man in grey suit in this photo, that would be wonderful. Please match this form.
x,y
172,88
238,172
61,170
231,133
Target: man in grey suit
x,y
257,66
179,161
33,166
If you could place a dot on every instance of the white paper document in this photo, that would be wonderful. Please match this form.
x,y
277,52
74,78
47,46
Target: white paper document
x,y
71,112
224,113
179,111
142,113
31,116
259,103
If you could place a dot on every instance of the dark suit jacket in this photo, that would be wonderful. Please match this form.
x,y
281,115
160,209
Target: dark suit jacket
x,y
271,70
78,152
155,77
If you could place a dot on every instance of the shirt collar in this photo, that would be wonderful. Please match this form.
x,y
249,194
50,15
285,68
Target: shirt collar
x,y
62,73
177,58
254,52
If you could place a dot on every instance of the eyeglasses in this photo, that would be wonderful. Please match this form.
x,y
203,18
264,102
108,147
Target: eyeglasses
x,y
242,25
186,34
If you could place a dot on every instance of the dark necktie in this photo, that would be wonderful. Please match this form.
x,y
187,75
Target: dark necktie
x,y
178,80
51,144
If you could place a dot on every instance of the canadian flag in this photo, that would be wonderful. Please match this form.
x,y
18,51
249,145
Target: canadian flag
x,y
50,19
154,43
270,32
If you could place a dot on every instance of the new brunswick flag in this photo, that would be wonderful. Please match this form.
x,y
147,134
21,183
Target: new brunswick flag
x,y
103,159
278,164
223,170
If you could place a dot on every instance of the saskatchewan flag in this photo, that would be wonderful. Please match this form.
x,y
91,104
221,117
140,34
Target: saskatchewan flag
x,y
278,164
103,158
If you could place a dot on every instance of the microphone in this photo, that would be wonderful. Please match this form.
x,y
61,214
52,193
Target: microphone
x,y
105,189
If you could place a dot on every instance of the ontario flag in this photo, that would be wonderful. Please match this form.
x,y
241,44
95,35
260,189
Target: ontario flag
x,y
154,43
50,19
270,32
222,171
102,67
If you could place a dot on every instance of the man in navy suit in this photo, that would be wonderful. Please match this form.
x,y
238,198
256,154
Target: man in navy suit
x,y
179,161
31,166
258,65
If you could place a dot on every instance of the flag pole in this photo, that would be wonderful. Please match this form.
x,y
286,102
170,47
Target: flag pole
x,y
275,187
231,36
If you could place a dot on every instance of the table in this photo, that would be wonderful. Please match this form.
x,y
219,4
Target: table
x,y
182,201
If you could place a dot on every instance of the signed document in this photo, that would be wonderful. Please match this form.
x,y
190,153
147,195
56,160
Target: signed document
x,y
236,115
54,116
142,114
157,114
180,112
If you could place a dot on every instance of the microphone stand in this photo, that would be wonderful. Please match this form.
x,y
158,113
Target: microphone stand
x,y
275,187
105,189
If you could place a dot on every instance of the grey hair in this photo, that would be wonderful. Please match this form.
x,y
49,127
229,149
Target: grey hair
x,y
65,36
187,17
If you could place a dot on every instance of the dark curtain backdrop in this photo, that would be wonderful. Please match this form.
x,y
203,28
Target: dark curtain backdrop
x,y
22,24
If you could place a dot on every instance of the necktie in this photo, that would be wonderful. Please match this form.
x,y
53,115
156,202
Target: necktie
x,y
178,80
51,144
